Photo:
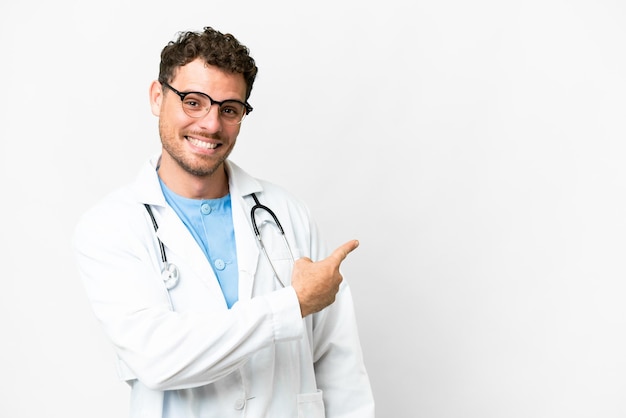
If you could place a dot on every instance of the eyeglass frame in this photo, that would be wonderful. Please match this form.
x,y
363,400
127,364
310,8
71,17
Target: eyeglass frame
x,y
182,96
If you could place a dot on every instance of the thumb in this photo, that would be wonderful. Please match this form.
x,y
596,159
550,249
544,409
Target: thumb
x,y
343,250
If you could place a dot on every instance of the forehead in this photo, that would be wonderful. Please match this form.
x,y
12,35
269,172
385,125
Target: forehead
x,y
205,78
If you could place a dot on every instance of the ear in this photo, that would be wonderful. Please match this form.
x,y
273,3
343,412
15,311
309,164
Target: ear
x,y
156,97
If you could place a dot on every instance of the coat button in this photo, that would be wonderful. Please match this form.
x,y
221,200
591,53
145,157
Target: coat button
x,y
220,264
239,404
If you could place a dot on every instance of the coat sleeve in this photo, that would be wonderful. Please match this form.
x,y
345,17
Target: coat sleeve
x,y
339,365
165,350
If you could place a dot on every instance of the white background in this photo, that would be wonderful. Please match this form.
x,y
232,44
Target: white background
x,y
476,149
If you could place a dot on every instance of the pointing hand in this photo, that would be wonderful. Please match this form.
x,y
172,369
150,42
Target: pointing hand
x,y
317,283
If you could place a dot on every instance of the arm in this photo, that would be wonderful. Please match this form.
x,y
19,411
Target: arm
x,y
339,367
119,265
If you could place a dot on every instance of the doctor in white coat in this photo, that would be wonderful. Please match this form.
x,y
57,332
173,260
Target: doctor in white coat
x,y
203,323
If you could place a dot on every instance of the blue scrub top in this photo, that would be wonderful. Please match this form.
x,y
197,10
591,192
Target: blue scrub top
x,y
210,221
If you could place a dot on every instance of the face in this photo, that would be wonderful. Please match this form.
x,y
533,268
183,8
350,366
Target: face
x,y
198,146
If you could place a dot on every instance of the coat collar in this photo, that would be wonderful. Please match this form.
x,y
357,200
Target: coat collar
x,y
148,188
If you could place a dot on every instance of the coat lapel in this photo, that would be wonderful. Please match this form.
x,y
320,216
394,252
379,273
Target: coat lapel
x,y
241,186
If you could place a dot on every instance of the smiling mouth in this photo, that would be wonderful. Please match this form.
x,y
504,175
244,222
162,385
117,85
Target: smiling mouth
x,y
201,144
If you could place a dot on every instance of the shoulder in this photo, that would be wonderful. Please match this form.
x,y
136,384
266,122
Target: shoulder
x,y
112,205
269,193
119,216
123,207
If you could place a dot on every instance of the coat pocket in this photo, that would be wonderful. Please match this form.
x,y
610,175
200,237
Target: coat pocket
x,y
311,405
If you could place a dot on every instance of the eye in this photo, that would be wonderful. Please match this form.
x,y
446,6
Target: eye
x,y
231,109
195,101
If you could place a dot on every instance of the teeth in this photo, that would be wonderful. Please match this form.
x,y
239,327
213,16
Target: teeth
x,y
201,144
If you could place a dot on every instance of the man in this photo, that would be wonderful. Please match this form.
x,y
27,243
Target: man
x,y
206,318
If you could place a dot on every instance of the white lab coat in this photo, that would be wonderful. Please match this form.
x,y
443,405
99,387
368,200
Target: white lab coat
x,y
184,353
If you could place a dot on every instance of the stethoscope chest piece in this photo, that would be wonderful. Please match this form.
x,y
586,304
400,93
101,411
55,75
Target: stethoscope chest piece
x,y
170,276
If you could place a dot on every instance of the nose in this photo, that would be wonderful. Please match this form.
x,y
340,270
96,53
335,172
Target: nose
x,y
211,121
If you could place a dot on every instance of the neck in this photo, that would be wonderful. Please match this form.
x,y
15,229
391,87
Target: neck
x,y
183,183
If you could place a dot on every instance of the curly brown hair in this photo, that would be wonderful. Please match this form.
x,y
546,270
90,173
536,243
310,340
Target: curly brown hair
x,y
221,50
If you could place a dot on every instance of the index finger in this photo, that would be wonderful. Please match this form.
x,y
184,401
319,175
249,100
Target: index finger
x,y
343,250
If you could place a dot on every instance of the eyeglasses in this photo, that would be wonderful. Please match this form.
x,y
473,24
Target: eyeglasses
x,y
197,105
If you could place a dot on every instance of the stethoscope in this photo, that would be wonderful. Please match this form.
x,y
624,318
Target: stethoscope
x,y
170,273
259,206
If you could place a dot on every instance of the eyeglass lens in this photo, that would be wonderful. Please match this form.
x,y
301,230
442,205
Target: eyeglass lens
x,y
197,105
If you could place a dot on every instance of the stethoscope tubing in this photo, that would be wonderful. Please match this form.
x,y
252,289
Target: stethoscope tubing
x,y
259,206
156,228
170,272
